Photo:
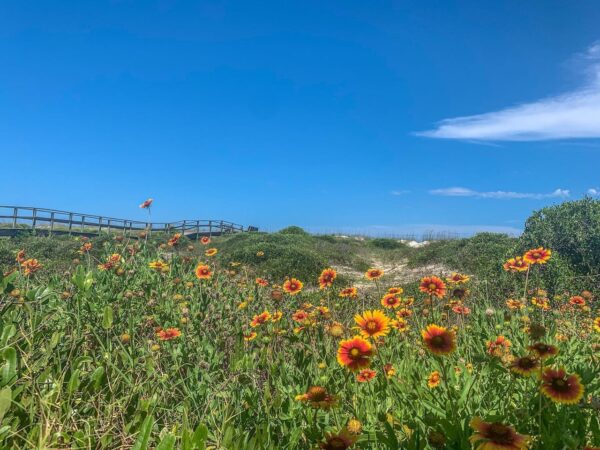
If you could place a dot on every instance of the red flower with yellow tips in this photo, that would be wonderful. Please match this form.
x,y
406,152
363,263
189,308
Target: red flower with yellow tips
x,y
374,274
355,353
538,255
203,272
391,301
350,292
327,278
516,264
292,286
561,387
433,286
496,436
439,340
373,323
259,319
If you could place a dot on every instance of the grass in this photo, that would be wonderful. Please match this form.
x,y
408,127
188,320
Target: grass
x,y
83,365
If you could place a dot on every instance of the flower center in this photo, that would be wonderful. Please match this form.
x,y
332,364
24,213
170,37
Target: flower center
x,y
432,286
500,434
354,353
560,384
437,341
371,326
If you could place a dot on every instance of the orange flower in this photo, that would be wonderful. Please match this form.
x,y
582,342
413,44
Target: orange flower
x,y
499,347
403,313
300,316
439,340
205,240
577,300
395,290
401,325
159,266
250,336
211,252
292,286
317,397
543,351
21,257
350,292
373,323
389,370
391,301
276,316
259,319
516,264
597,324
525,365
262,282
461,309
168,334
434,379
327,278
496,436
30,266
365,375
203,272
538,255
174,240
561,387
433,286
514,304
146,204
457,278
374,274
355,353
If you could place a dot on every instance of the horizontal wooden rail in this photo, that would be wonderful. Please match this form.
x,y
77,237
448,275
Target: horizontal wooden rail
x,y
51,221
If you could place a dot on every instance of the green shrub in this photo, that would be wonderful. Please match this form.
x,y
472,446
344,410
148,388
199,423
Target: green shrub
x,y
385,243
293,230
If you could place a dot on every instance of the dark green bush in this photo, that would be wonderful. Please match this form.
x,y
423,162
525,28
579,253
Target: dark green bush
x,y
386,243
293,230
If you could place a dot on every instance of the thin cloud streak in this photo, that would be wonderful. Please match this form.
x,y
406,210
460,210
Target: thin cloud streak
x,y
572,115
502,195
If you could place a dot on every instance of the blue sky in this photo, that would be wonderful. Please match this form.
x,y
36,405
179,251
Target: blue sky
x,y
381,117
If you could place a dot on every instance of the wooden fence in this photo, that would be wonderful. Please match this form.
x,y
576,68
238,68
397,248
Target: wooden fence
x,y
18,219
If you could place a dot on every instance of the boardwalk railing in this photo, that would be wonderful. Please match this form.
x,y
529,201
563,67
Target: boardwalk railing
x,y
16,219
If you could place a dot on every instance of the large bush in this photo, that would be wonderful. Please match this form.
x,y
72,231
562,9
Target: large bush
x,y
571,229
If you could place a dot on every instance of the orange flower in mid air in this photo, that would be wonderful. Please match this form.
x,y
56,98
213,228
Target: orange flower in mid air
x,y
391,301
30,266
168,334
561,387
374,274
147,204
434,379
327,278
261,318
262,282
433,286
365,375
355,353
457,278
373,323
538,255
439,340
211,252
350,292
203,272
516,264
292,286
496,436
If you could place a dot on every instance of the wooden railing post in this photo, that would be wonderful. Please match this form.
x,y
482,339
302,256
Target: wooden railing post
x,y
34,215
51,222
108,226
82,222
15,215
99,225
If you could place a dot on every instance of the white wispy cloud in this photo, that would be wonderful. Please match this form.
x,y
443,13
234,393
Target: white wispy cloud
x,y
572,115
401,192
465,192
593,191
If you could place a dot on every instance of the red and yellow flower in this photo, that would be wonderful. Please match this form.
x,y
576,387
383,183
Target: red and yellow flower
x,y
433,286
395,290
525,365
174,240
205,240
391,301
203,272
365,375
499,347
561,387
434,379
597,324
514,304
327,278
147,203
373,324
349,292
496,436
30,266
317,397
261,282
516,264
211,252
403,313
373,274
457,278
401,325
168,334
538,255
577,300
292,286
355,353
338,441
260,319
439,340
159,266
250,336
543,351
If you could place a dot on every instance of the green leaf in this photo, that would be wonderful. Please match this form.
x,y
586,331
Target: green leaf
x,y
9,369
143,438
107,318
5,401
200,436
167,443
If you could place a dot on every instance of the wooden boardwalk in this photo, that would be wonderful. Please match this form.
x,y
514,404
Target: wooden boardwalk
x,y
23,219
